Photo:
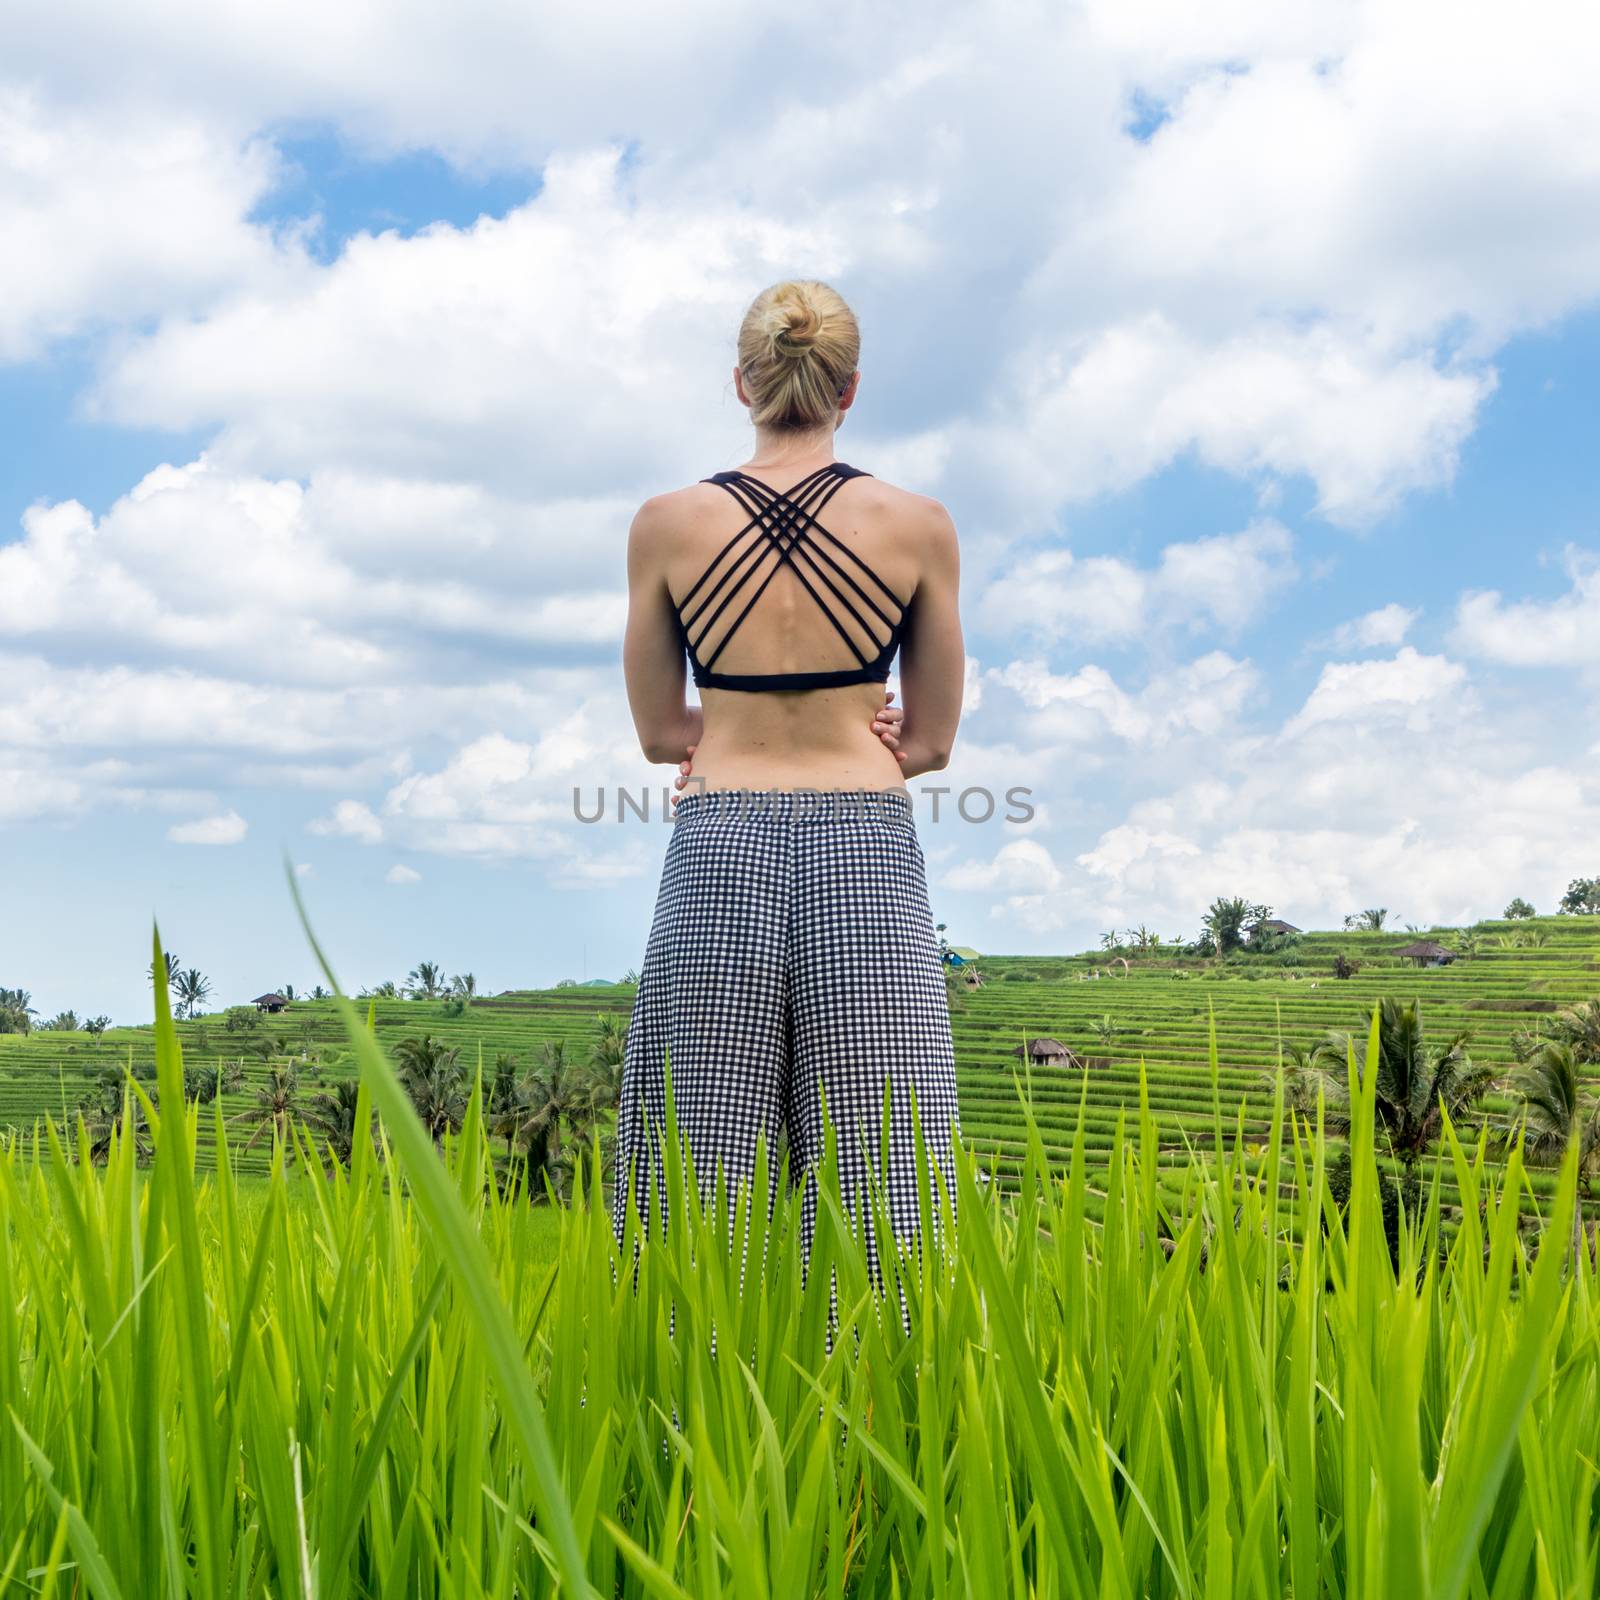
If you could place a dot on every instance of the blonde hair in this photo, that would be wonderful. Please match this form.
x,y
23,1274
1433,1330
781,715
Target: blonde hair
x,y
798,344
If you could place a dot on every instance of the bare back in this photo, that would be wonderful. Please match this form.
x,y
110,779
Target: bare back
x,y
784,592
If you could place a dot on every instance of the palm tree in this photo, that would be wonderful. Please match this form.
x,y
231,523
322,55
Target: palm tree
x,y
333,1115
1228,921
1368,921
192,990
552,1094
61,1022
174,966
111,1109
16,1011
503,1093
1416,1082
1556,1109
277,1102
607,1051
1579,1026
95,1027
465,985
387,990
436,1079
425,981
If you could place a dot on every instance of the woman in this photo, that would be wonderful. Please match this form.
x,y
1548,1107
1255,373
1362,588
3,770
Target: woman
x,y
792,954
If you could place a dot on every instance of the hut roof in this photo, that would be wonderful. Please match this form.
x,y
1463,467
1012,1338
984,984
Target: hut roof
x,y
1278,925
1424,948
269,1000
965,951
1042,1047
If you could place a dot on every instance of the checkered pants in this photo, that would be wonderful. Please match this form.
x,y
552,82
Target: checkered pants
x,y
792,956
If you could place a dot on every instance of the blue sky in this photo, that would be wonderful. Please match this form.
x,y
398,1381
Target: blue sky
x,y
1267,420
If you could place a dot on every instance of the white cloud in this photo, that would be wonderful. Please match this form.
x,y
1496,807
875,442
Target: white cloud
x,y
109,220
350,819
1564,632
1382,629
1024,879
1224,581
1409,688
226,828
1203,696
400,873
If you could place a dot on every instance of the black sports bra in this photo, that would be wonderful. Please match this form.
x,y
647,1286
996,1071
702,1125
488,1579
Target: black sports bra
x,y
785,525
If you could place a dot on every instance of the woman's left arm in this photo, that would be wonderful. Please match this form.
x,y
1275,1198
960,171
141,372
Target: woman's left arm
x,y
652,653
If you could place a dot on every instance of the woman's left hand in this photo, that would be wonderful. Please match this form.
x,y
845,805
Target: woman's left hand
x,y
886,724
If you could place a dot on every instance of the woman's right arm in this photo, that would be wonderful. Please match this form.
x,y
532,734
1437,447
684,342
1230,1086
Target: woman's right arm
x,y
652,653
933,657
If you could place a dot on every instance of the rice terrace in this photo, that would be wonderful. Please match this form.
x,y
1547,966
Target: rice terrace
x,y
1180,1344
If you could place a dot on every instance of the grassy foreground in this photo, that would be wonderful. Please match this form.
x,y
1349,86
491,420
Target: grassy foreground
x,y
367,1383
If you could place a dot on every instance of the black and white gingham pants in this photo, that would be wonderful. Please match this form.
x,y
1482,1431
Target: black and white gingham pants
x,y
792,955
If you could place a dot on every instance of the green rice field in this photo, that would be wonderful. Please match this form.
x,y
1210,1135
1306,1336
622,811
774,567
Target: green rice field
x,y
1136,1369
1154,1017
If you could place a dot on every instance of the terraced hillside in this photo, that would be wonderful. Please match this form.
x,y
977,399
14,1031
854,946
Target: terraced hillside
x,y
1155,1010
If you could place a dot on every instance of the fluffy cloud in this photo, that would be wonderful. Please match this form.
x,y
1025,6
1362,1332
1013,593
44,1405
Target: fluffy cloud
x,y
227,827
1022,880
1223,581
111,221
1408,688
402,875
350,819
1382,629
1067,710
1564,632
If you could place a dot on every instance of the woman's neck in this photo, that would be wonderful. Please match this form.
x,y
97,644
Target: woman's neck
x,y
781,448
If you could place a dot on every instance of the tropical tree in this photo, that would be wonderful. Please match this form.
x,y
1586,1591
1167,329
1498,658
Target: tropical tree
x,y
608,1048
332,1116
1518,910
277,1104
174,967
465,985
192,990
503,1094
436,1079
1230,921
16,1011
1582,898
111,1109
1371,920
425,981
319,993
387,990
552,1097
1579,1027
61,1022
95,1027
1556,1109
1417,1082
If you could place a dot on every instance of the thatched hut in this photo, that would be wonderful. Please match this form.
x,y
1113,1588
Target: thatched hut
x,y
1426,953
1277,925
1047,1053
270,1003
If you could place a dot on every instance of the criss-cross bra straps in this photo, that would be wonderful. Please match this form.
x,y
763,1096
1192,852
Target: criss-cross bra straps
x,y
786,524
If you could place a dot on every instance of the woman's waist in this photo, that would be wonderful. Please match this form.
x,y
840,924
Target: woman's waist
x,y
798,804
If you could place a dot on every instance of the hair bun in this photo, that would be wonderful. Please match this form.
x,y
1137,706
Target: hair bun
x,y
798,345
797,325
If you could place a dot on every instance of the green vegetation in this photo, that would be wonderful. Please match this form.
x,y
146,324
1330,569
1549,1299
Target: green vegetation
x,y
375,1379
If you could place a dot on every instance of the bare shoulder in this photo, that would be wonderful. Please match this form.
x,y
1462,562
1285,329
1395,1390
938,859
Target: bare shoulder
x,y
926,523
659,522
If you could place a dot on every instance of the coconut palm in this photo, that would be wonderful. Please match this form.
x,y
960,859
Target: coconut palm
x,y
552,1096
1229,920
1371,920
464,985
112,1110
16,1011
608,1048
192,990
332,1114
61,1022
1555,1110
425,981
277,1104
1579,1026
436,1079
1417,1082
